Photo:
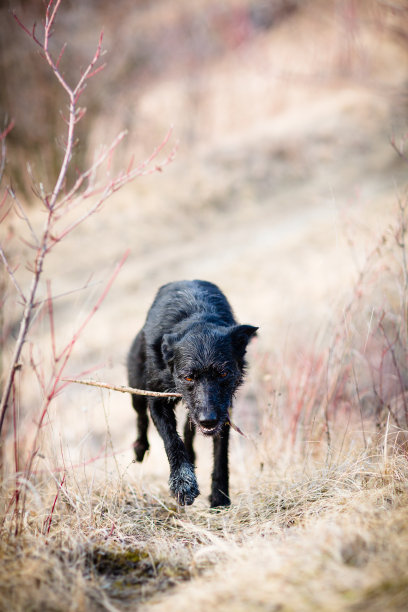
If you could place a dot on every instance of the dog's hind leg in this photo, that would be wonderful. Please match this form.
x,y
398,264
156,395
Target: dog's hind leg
x,y
220,477
141,444
189,433
136,375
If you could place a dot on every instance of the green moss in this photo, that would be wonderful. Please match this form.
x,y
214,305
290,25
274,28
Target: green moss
x,y
125,571
112,562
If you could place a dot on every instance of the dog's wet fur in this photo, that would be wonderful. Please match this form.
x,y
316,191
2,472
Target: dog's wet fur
x,y
190,344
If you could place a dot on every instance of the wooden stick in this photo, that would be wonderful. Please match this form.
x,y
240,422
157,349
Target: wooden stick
x,y
122,389
236,428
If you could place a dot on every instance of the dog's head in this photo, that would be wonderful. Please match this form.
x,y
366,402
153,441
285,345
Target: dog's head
x,y
207,365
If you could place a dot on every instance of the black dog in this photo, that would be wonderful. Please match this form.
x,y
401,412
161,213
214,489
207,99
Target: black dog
x,y
190,344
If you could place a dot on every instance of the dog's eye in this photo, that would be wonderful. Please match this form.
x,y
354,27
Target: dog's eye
x,y
223,374
188,378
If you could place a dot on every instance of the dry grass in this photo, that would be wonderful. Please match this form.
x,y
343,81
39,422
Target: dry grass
x,y
327,537
320,499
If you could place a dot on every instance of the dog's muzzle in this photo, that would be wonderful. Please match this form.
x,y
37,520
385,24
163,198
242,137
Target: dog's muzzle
x,y
208,427
208,421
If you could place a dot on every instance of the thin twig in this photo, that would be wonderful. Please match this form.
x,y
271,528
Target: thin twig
x,y
11,275
20,212
122,389
48,520
88,173
133,391
236,428
3,136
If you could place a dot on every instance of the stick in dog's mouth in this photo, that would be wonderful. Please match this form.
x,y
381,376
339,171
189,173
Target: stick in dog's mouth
x,y
235,427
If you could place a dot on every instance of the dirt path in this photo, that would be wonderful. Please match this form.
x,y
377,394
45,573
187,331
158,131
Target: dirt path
x,y
286,250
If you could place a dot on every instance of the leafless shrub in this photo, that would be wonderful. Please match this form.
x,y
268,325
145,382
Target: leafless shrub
x,y
351,385
67,205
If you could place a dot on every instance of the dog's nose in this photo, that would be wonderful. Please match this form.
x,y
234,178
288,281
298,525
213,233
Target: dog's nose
x,y
208,424
208,419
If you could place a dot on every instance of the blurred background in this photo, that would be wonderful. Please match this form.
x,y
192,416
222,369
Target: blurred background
x,y
283,182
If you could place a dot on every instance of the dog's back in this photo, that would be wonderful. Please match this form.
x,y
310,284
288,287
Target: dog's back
x,y
181,300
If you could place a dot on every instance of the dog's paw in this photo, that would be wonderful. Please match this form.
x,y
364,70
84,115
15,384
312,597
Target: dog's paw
x,y
219,499
183,485
140,447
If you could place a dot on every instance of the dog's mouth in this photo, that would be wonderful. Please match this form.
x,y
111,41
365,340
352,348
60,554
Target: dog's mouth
x,y
209,431
212,430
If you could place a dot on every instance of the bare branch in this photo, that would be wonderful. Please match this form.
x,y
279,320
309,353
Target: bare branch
x,y
89,173
22,215
7,130
50,306
3,136
57,205
26,30
57,63
11,275
115,184
65,354
24,326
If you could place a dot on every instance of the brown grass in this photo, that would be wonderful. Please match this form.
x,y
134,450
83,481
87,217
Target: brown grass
x,y
327,537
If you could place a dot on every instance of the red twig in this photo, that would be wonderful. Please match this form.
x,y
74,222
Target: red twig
x,y
7,130
3,136
43,247
59,363
11,275
57,63
66,352
51,319
76,466
7,210
390,347
48,520
15,432
39,375
60,202
112,529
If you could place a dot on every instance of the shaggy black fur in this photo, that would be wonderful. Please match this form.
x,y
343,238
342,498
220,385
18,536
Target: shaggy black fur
x,y
190,344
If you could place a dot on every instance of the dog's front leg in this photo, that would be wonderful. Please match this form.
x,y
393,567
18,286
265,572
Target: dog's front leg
x,y
220,477
189,433
182,481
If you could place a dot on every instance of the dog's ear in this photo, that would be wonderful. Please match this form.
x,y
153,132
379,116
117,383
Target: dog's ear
x,y
240,336
167,347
